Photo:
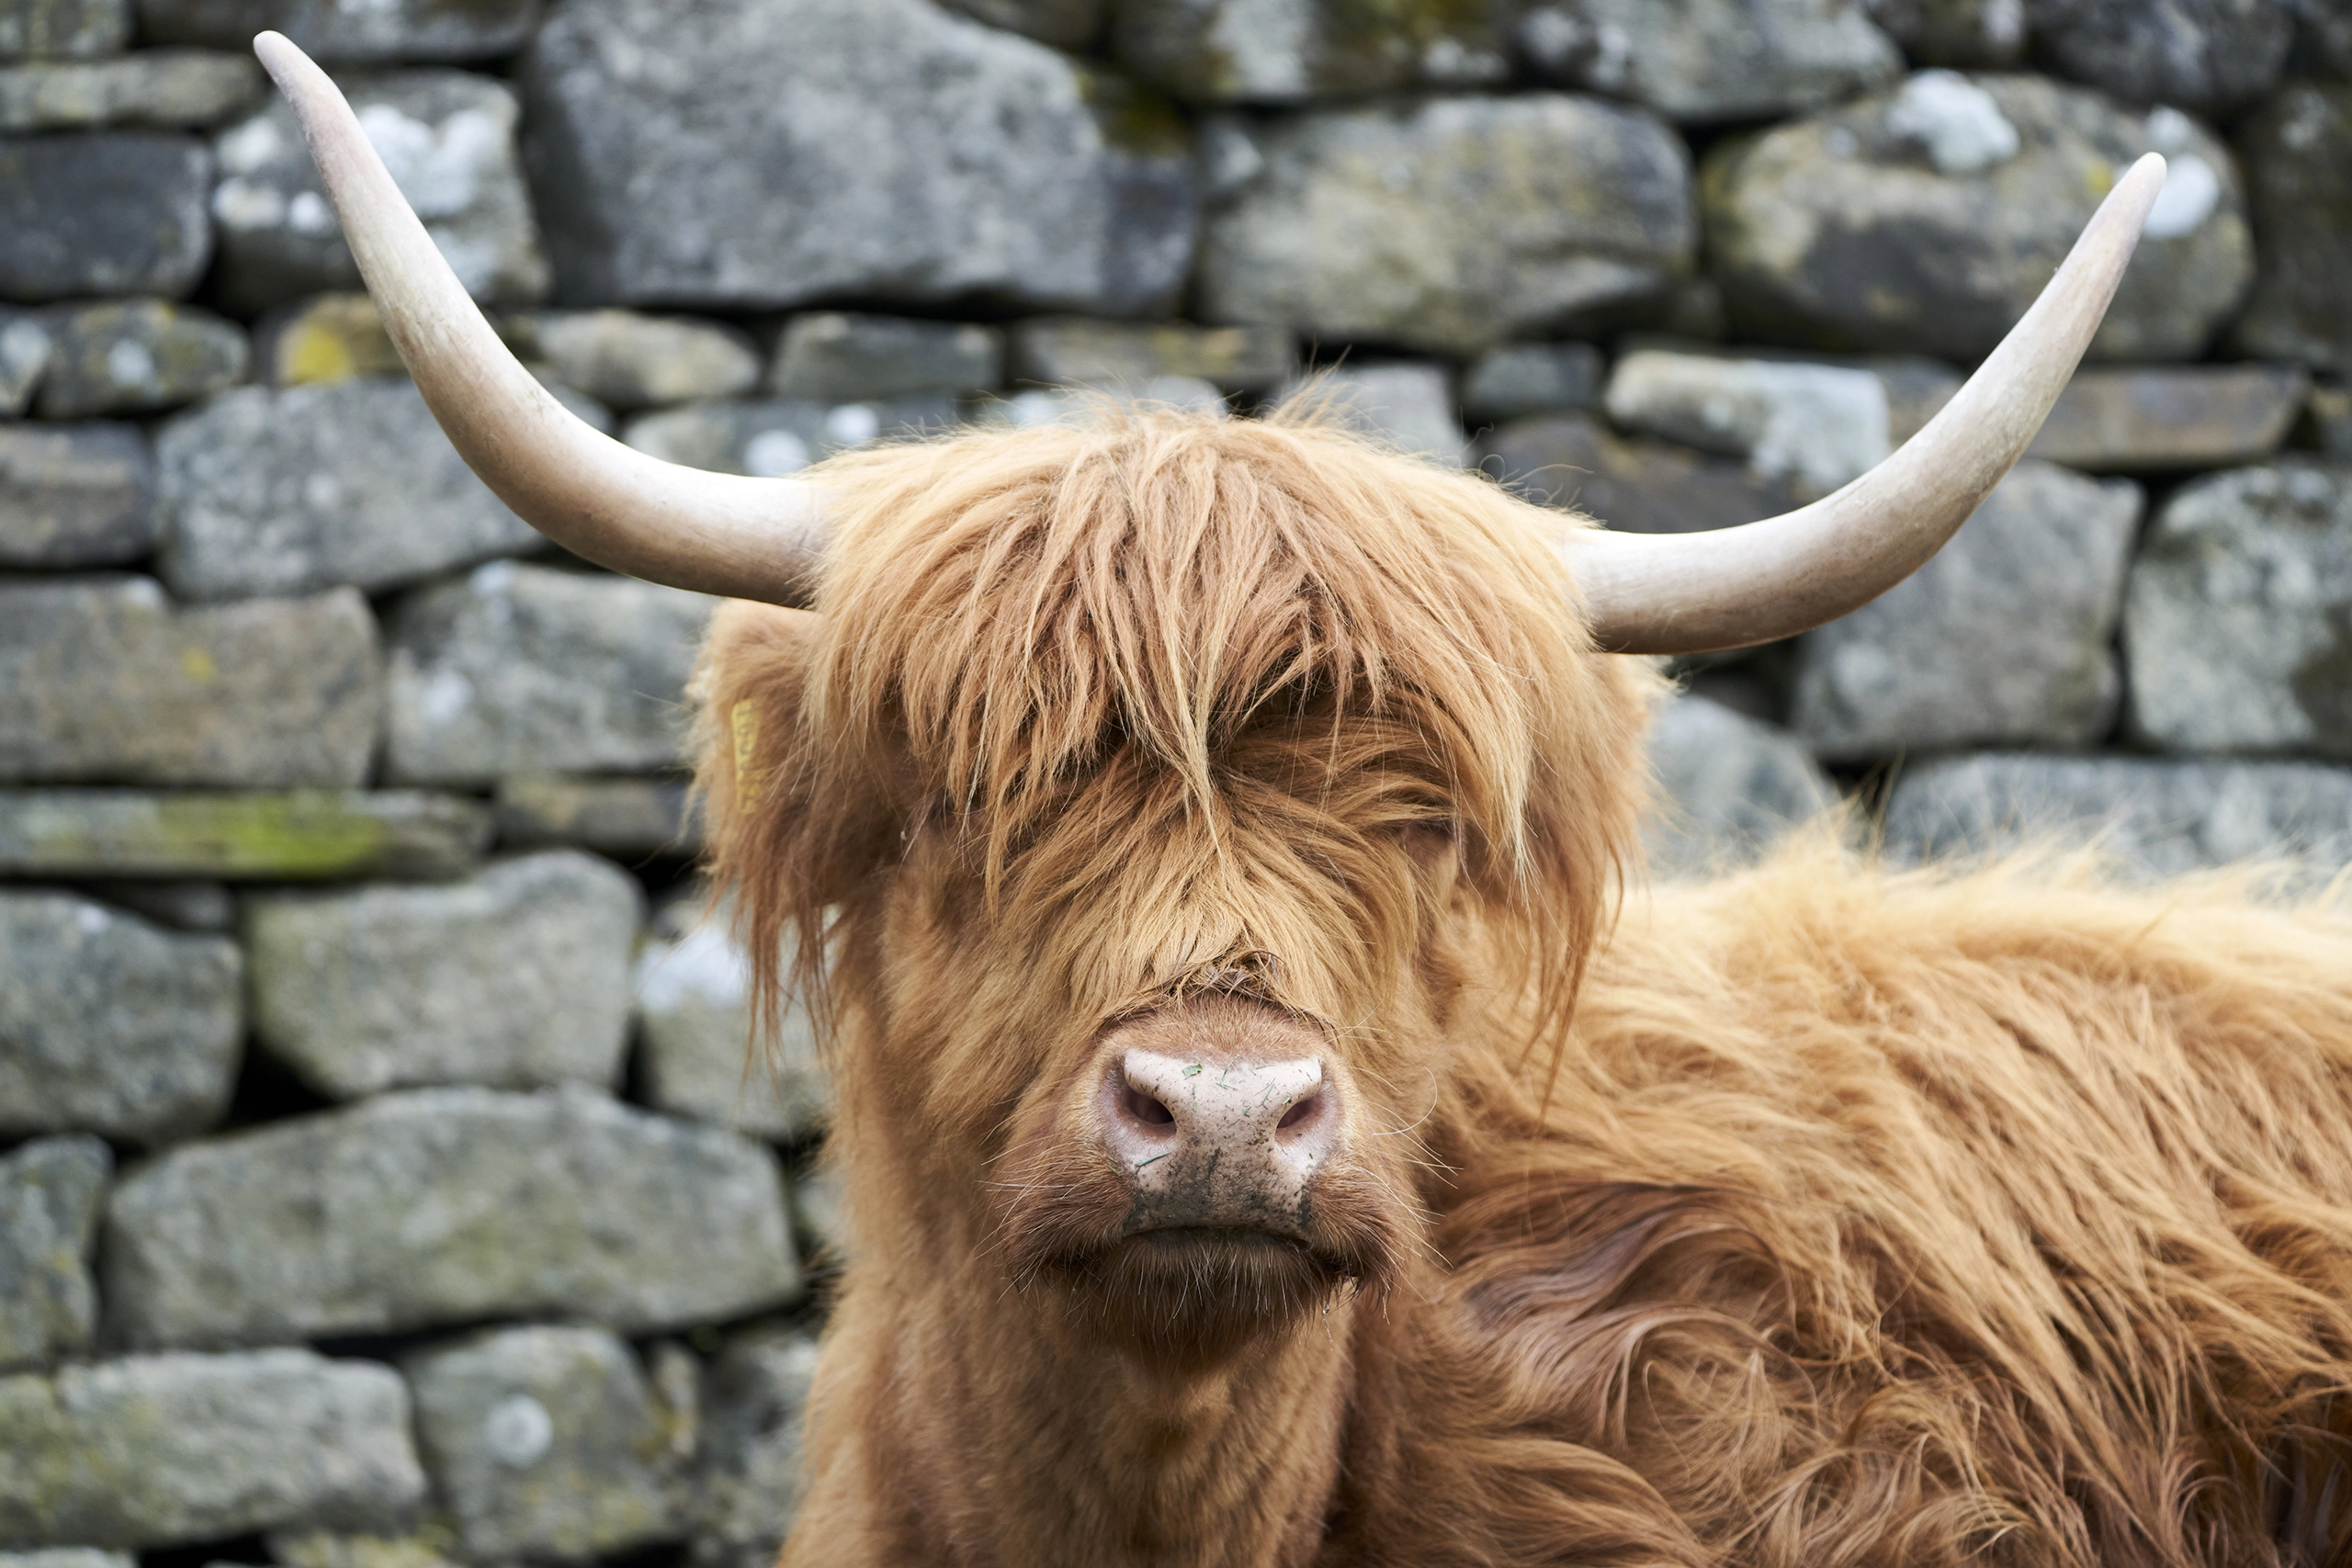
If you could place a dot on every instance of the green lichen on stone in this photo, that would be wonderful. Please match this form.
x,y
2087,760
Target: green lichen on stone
x,y
1132,120
291,834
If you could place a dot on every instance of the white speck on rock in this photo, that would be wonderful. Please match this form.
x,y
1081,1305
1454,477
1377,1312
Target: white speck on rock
x,y
1958,123
244,205
2191,192
852,425
443,698
131,364
773,454
309,213
518,1431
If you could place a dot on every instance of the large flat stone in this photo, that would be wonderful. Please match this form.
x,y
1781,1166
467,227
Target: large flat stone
x,y
1816,427
1452,224
626,360
1706,61
49,29
138,355
438,1206
749,1481
75,495
380,31
844,356
103,212
1077,351
110,1025
1407,406
51,1194
161,1451
167,88
515,978
295,835
1635,485
2298,151
700,1057
530,669
105,679
628,818
774,436
276,491
1729,786
2207,56
2237,629
783,150
2005,638
1522,378
1289,51
2150,418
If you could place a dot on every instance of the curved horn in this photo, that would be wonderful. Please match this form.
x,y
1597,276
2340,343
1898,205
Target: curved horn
x,y
749,538
1734,587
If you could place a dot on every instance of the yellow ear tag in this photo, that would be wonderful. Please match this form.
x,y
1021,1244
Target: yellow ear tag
x,y
743,720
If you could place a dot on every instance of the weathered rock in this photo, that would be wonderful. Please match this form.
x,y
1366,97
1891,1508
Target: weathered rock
x,y
2237,628
109,1025
1703,61
449,1205
1522,378
51,1191
103,679
1288,51
1729,785
157,1450
699,1056
749,1478
276,491
137,354
1453,224
545,1444
2005,638
2207,56
2173,416
329,337
1075,351
773,437
50,29
781,150
24,357
1928,219
1065,24
1409,406
2298,152
379,31
614,817
1635,486
1816,427
517,978
629,361
839,357
2154,818
448,140
169,88
1955,33
67,1557
1026,409
75,495
103,212
329,1548
183,906
298,835
527,670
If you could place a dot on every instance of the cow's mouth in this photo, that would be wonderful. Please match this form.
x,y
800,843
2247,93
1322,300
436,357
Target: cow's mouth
x,y
1195,1294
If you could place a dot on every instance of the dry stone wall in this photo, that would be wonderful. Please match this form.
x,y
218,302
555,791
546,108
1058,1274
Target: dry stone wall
x,y
381,1181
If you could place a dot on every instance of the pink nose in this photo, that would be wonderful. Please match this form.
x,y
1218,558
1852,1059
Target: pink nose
x,y
1212,1140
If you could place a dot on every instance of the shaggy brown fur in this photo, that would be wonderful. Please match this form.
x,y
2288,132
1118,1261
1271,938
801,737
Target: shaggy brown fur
x,y
1820,1215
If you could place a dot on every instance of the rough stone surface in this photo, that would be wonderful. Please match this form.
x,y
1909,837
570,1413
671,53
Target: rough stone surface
x,y
103,212
694,1021
110,1025
749,1478
331,1548
105,679
2155,818
841,357
158,1451
1955,33
2174,416
1287,52
1065,24
51,28
67,1557
517,978
1729,784
74,495
298,835
545,1444
781,150
528,670
169,88
1074,351
774,437
2004,637
1701,61
448,140
448,1205
50,1193
626,360
1453,224
2206,56
2238,624
1523,379
614,817
1409,406
1636,486
138,355
1928,219
380,30
1816,427
184,906
278,491
329,337
2298,154
24,357
1082,405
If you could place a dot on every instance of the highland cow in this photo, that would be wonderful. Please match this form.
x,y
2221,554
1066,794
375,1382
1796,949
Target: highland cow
x,y
1280,1127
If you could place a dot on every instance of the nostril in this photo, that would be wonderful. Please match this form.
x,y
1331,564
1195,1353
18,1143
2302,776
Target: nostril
x,y
1298,1113
1147,1109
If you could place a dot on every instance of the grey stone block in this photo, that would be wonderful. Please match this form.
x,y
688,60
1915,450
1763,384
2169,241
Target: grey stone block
x,y
2298,152
67,1557
24,358
167,88
1523,379
1453,224
1706,61
1076,351
2150,418
524,669
75,495
515,978
699,1058
1959,33
328,337
161,1451
1829,231
1636,485
1814,427
442,1206
773,437
614,817
749,1479
330,1549
53,28
296,835
626,360
448,138
2238,624
2154,818
135,356
103,679
2208,56
50,1193
1080,404
272,491
1409,406
545,1444
1729,786
381,31
839,357
1288,51
103,212
112,1025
